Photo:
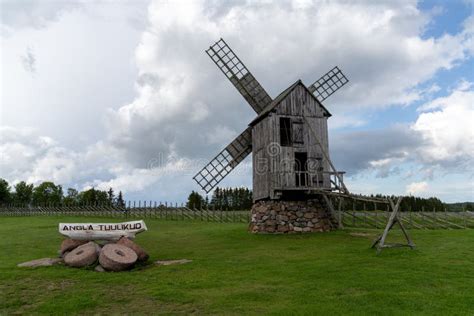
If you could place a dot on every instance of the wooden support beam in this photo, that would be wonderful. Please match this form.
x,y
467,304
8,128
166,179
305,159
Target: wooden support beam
x,y
347,195
326,156
331,210
379,242
339,213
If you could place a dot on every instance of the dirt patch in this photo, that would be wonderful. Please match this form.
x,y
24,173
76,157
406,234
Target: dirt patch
x,y
172,262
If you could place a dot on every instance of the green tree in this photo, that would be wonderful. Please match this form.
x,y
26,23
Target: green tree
x,y
120,202
71,197
195,201
93,196
111,196
5,195
23,193
47,193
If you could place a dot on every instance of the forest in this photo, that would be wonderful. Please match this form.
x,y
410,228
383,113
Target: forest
x,y
241,199
227,199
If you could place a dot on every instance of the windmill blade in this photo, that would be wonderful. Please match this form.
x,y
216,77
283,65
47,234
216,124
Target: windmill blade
x,y
239,75
325,86
225,161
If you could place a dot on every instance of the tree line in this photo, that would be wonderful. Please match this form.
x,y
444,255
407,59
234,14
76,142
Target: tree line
x,y
230,199
241,199
409,203
49,193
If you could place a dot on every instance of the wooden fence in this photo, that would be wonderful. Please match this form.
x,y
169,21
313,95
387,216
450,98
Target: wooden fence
x,y
166,212
350,219
411,220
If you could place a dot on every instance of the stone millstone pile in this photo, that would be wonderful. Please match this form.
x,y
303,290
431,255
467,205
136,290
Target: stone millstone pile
x,y
119,256
285,217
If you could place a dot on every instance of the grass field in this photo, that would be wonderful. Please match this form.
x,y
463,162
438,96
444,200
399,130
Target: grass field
x,y
234,272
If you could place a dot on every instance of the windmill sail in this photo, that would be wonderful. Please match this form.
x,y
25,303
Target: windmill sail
x,y
225,161
239,75
325,86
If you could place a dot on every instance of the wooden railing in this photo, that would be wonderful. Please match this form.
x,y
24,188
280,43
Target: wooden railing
x,y
303,180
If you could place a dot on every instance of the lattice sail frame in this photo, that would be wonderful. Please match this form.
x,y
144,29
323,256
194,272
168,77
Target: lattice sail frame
x,y
329,83
233,68
225,161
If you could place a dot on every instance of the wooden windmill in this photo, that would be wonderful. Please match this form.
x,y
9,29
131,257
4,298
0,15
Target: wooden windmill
x,y
289,143
288,138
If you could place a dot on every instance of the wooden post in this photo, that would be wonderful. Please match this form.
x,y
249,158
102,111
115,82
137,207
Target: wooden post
x,y
365,215
393,219
339,214
465,216
353,215
375,215
411,220
331,210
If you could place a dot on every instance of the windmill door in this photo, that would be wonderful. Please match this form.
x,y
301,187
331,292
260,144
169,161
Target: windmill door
x,y
301,171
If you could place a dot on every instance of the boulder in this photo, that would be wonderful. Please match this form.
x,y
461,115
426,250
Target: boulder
x,y
115,257
141,254
99,268
69,244
82,256
43,262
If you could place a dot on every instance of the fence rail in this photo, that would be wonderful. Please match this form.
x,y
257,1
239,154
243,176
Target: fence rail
x,y
411,220
158,212
350,219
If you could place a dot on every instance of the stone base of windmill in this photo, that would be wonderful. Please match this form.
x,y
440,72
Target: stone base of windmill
x,y
286,217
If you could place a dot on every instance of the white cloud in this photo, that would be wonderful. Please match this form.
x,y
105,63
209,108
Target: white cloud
x,y
27,156
182,97
29,61
439,141
31,14
446,125
184,107
417,188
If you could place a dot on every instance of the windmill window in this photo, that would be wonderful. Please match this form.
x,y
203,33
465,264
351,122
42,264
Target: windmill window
x,y
285,131
298,132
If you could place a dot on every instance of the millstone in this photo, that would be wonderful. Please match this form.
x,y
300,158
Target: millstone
x,y
70,244
116,257
141,254
82,256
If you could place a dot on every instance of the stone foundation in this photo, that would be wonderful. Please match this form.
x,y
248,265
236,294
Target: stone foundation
x,y
283,217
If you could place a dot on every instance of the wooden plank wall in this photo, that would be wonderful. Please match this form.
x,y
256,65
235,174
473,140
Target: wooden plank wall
x,y
266,135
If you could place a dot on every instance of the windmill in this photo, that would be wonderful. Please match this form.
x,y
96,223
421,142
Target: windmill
x,y
288,137
293,175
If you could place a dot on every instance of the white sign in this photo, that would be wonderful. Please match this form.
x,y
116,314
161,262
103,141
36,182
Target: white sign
x,y
101,231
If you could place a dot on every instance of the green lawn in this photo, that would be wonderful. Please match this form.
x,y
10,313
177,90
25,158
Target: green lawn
x,y
234,272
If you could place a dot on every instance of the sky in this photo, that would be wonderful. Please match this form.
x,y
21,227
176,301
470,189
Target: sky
x,y
121,93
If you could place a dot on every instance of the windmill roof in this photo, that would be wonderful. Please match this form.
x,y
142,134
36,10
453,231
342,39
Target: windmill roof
x,y
269,108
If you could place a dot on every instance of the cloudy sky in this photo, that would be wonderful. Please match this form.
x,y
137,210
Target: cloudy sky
x,y
120,93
